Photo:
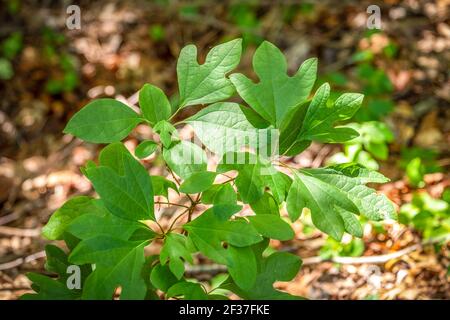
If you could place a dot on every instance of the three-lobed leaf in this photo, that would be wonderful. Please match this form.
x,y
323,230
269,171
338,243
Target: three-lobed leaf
x,y
334,195
276,93
320,118
123,184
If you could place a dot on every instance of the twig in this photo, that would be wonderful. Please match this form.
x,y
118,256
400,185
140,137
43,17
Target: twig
x,y
20,261
15,289
375,259
178,217
9,218
171,204
217,268
10,231
364,260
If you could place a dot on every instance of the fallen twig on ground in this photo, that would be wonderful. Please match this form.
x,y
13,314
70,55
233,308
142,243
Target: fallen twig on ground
x,y
20,261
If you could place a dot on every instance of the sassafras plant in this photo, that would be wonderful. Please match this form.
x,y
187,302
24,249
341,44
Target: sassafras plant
x,y
106,236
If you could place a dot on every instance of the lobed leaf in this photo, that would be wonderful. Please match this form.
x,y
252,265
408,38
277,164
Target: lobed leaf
x,y
276,93
207,83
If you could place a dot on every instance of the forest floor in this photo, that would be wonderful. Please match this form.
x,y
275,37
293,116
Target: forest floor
x,y
119,49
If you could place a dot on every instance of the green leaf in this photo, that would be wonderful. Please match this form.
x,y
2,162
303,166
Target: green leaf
x,y
265,205
112,156
145,149
278,182
209,230
104,250
351,223
187,290
128,195
103,121
143,233
185,158
64,216
207,83
48,289
272,226
224,211
90,225
243,267
162,278
219,194
328,192
198,182
320,118
290,129
223,127
279,266
154,104
276,93
6,69
161,186
249,182
56,261
415,172
167,133
174,250
118,263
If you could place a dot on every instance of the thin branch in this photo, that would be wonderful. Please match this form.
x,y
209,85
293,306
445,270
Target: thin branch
x,y
217,268
175,220
375,259
20,261
171,204
27,233
9,218
160,228
178,182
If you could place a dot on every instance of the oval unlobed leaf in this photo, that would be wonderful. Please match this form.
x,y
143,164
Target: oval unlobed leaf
x,y
185,158
198,182
145,149
154,104
103,121
65,215
272,226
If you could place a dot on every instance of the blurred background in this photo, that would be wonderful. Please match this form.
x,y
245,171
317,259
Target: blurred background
x,y
48,72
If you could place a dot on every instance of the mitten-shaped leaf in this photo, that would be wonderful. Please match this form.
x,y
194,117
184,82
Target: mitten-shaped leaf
x,y
176,252
119,263
122,183
207,83
279,266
